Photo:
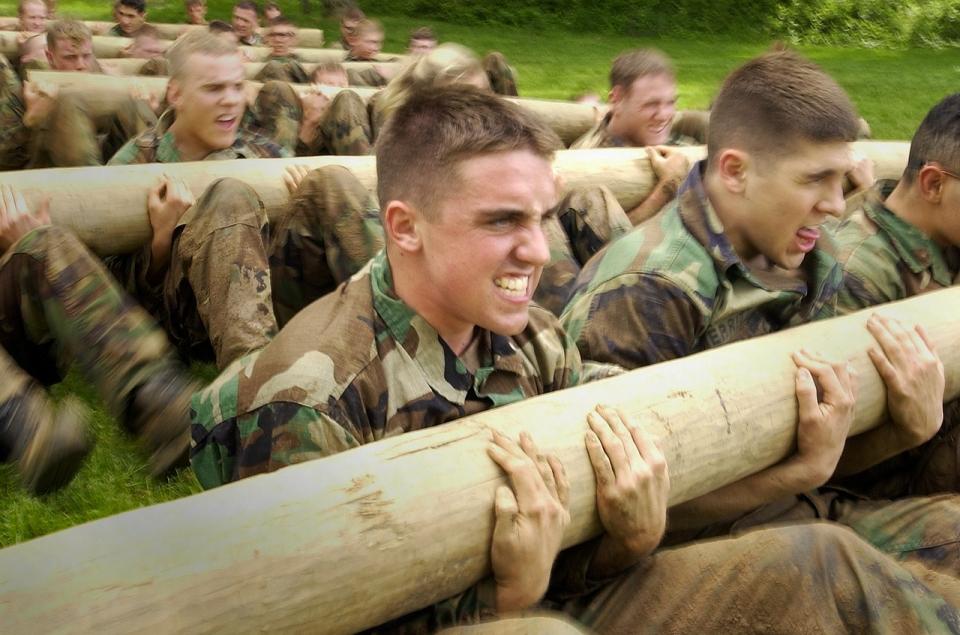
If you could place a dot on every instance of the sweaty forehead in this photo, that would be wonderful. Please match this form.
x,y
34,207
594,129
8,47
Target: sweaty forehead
x,y
202,68
66,46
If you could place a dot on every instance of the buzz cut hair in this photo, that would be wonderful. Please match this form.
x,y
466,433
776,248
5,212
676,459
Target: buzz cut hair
x,y
248,5
776,100
74,31
369,26
937,140
631,65
423,33
140,6
437,128
202,42
281,20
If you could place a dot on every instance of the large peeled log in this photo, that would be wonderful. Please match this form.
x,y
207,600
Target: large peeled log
x,y
348,542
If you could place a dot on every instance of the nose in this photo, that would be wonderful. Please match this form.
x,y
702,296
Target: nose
x,y
833,203
535,249
232,95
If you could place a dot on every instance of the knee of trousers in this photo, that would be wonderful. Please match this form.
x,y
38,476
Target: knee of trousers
x,y
276,91
347,105
324,191
226,202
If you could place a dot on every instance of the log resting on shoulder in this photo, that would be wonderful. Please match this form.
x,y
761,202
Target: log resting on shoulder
x,y
106,206
132,66
348,542
106,46
104,94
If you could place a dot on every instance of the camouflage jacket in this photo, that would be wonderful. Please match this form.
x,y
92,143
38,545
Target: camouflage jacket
x,y
14,135
885,258
253,40
156,145
289,69
377,370
599,137
674,286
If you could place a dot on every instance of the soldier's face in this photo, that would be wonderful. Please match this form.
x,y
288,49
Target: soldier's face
x,y
331,78
67,55
281,39
784,201
33,16
129,20
642,114
421,47
147,47
244,22
209,101
484,247
367,45
196,14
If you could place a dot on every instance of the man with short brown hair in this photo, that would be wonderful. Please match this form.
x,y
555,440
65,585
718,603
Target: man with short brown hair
x,y
131,16
196,11
245,21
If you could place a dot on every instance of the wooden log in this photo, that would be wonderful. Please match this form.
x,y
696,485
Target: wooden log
x,y
132,66
105,94
110,47
353,540
106,206
308,38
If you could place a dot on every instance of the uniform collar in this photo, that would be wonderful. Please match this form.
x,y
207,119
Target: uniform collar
x,y
441,368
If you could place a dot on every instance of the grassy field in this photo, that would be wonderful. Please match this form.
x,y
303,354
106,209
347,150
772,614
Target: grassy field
x,y
893,89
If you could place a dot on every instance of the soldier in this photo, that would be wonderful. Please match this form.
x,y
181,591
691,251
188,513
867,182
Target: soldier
x,y
440,325
271,11
147,44
58,305
224,31
32,15
350,18
741,253
330,74
902,242
366,42
130,15
422,40
282,63
245,21
196,11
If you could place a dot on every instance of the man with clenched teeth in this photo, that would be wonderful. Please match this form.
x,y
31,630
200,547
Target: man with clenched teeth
x,y
439,325
741,253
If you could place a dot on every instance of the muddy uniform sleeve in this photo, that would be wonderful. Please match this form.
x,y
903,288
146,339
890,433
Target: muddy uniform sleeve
x,y
14,135
634,320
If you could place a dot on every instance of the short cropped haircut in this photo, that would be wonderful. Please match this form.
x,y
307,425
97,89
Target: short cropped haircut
x,y
74,31
248,5
140,6
23,3
202,42
423,33
352,14
148,30
369,26
437,128
937,139
631,65
776,100
329,67
219,26
281,20
193,3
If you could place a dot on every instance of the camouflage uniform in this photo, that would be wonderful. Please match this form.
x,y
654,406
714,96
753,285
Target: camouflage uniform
x,y
155,67
366,77
885,259
379,369
214,299
284,69
14,136
674,286
252,40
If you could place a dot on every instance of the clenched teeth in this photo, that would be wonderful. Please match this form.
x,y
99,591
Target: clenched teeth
x,y
513,286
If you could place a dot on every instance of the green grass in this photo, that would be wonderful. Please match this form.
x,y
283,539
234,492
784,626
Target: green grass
x,y
893,89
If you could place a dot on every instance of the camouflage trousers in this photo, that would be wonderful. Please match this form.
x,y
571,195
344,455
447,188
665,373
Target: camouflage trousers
x,y
71,136
805,578
921,533
587,219
58,305
232,273
344,130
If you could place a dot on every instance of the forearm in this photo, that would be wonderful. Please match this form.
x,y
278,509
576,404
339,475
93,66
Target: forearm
x,y
866,450
612,557
662,194
738,498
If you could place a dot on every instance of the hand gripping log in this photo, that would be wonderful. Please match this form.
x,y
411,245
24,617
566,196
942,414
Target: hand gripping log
x,y
350,541
106,206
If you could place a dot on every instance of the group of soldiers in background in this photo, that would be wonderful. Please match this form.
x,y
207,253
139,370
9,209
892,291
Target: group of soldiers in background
x,y
469,282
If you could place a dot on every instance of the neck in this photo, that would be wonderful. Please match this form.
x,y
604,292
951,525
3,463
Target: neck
x,y
906,204
726,206
188,147
408,288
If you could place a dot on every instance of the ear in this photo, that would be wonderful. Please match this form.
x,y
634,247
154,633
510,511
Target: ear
x,y
401,225
731,166
49,55
174,93
616,94
930,184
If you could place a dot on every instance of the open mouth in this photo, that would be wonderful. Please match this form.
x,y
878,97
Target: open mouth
x,y
513,286
807,238
227,122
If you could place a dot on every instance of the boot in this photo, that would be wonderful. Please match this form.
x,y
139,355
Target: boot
x,y
48,446
159,416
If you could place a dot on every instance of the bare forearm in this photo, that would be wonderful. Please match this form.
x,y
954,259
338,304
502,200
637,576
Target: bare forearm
x,y
738,498
661,195
866,450
612,557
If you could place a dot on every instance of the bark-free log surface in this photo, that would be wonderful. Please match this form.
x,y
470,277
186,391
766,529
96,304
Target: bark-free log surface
x,y
104,94
106,46
356,539
106,205
132,66
307,38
